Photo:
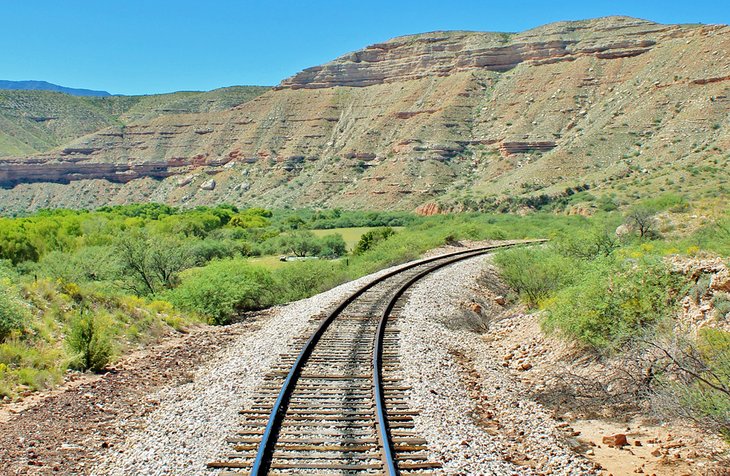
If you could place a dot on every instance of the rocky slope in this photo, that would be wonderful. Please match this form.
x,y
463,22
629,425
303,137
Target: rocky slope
x,y
448,117
36,121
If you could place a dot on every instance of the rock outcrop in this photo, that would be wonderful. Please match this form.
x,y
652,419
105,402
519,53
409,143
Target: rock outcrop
x,y
444,53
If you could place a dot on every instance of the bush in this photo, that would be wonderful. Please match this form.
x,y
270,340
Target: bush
x,y
586,245
13,314
696,384
371,238
89,342
642,220
203,251
224,289
613,304
534,273
37,365
90,263
306,278
332,246
300,243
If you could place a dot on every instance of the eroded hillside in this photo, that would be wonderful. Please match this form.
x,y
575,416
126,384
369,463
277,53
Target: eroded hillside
x,y
35,121
449,118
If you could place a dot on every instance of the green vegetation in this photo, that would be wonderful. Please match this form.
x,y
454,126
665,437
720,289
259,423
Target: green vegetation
x,y
619,297
224,289
80,287
12,311
89,342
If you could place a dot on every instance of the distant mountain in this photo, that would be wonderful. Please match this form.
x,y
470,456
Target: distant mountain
x,y
46,86
615,109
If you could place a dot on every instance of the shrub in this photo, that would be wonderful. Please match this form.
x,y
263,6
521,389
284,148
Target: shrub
x,y
224,289
696,384
369,239
613,304
642,220
300,243
534,273
33,364
90,263
332,246
586,245
668,201
13,313
89,342
306,278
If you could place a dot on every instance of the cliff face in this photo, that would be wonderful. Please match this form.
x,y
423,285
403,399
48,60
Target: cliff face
x,y
419,119
444,53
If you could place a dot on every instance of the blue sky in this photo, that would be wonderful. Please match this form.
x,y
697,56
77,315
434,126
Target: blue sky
x,y
153,46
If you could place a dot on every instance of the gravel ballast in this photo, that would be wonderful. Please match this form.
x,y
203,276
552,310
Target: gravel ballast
x,y
494,430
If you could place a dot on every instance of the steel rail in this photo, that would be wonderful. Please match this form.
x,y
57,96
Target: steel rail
x,y
391,468
264,453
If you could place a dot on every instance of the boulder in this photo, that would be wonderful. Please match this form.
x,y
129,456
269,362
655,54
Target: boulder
x,y
208,185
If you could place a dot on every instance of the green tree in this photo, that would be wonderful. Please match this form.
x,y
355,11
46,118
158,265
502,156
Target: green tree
x,y
332,246
301,243
151,263
371,238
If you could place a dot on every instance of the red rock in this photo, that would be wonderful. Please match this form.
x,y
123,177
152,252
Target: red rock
x,y
618,440
428,209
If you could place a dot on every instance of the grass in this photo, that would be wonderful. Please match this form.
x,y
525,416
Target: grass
x,y
270,262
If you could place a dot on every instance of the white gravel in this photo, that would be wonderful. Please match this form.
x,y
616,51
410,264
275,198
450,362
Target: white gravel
x,y
447,418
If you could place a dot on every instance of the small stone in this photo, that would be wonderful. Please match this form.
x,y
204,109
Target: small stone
x,y
526,366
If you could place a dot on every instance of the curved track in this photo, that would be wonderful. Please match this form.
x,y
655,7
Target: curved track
x,y
335,408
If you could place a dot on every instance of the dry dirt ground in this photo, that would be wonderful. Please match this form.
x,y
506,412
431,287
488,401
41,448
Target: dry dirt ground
x,y
66,430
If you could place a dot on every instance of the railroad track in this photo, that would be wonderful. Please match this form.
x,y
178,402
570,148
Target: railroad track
x,y
337,407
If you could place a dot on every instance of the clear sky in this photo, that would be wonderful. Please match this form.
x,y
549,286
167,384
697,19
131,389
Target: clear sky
x,y
153,46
